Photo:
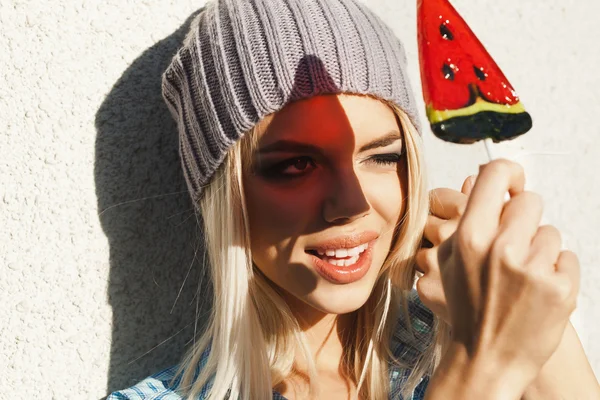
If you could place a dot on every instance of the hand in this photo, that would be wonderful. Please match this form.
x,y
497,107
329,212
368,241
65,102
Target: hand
x,y
509,288
567,374
446,208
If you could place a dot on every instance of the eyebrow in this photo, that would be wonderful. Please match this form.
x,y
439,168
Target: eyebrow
x,y
292,145
383,141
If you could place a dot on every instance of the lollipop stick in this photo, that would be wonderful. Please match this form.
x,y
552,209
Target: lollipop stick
x,y
489,149
492,156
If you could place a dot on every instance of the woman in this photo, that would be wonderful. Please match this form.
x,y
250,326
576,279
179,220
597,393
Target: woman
x,y
301,149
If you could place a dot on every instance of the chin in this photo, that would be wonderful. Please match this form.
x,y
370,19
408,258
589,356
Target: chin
x,y
335,299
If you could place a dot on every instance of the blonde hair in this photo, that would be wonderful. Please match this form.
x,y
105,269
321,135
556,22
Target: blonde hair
x,y
251,335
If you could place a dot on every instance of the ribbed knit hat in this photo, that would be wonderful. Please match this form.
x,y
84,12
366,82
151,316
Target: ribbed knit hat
x,y
245,59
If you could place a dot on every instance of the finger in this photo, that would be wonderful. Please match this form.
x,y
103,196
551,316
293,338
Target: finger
x,y
430,286
438,230
428,265
468,185
545,248
519,224
445,250
431,293
568,265
427,261
447,203
486,202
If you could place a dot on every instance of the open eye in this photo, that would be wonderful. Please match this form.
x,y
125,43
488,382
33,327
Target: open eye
x,y
292,167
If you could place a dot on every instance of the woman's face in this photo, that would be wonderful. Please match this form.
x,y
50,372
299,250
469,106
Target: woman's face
x,y
324,195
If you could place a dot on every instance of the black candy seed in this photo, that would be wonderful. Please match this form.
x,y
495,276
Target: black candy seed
x,y
448,72
480,74
445,32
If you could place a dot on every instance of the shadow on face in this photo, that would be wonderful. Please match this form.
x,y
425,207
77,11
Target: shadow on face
x,y
326,169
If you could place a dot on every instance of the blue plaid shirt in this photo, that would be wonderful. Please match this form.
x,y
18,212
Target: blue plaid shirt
x,y
404,346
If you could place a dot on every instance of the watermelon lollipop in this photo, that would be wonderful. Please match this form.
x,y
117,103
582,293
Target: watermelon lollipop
x,y
468,98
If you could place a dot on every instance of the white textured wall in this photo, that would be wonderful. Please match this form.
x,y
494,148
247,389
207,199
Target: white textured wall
x,y
97,234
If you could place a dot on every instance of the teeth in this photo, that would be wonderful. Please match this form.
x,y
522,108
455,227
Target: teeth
x,y
346,262
343,257
343,253
339,263
340,253
350,261
354,251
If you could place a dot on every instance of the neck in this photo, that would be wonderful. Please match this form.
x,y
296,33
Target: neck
x,y
326,335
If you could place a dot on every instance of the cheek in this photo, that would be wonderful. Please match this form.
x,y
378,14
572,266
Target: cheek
x,y
385,193
278,215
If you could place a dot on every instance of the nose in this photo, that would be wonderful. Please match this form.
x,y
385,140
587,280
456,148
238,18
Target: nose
x,y
345,200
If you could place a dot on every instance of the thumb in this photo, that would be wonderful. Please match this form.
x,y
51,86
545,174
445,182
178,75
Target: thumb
x,y
468,185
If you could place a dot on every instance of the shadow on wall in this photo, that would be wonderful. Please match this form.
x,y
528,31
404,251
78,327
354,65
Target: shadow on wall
x,y
148,217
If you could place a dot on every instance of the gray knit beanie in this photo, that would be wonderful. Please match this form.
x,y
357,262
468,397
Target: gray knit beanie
x,y
245,59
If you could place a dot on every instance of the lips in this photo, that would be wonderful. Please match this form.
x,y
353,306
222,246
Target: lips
x,y
345,241
344,259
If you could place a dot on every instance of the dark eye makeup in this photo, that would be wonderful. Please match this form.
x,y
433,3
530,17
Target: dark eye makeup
x,y
300,166
384,159
290,168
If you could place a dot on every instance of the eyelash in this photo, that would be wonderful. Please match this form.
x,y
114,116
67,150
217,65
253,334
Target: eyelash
x,y
276,170
385,159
